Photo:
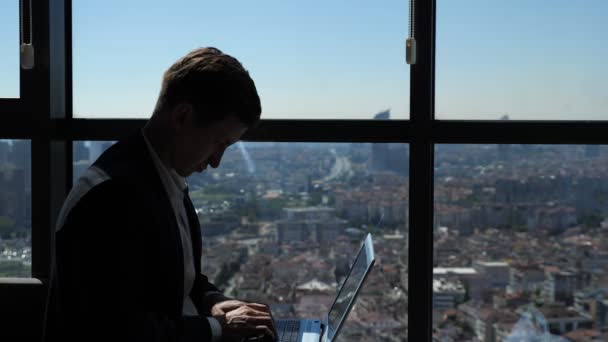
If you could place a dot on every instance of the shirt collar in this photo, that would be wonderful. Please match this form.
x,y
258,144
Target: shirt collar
x,y
172,180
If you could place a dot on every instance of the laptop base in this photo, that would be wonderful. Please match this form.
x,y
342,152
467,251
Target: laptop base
x,y
298,330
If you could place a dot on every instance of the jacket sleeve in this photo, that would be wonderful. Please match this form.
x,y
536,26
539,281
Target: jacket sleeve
x,y
100,255
205,294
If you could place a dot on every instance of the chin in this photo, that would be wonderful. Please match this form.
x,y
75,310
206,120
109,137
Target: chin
x,y
183,173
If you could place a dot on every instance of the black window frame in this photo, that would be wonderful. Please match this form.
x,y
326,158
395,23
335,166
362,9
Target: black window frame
x,y
31,85
44,115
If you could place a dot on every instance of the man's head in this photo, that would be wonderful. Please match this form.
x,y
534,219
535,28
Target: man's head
x,y
207,102
214,83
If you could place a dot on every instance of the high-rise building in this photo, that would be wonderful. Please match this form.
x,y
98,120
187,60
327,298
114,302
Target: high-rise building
x,y
5,149
78,168
13,196
389,157
21,157
504,152
383,115
560,285
81,152
447,293
310,224
493,276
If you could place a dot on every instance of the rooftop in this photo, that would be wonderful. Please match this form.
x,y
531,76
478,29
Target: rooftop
x,y
454,270
444,285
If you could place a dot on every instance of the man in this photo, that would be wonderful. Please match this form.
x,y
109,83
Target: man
x,y
128,241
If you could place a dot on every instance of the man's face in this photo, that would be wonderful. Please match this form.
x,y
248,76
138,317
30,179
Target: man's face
x,y
197,147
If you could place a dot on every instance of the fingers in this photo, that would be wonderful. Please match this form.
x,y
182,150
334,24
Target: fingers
x,y
247,314
247,319
260,307
266,309
221,308
250,321
229,305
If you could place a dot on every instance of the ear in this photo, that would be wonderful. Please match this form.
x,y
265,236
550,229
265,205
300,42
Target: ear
x,y
180,115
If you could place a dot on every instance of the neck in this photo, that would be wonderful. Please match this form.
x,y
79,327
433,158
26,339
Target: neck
x,y
160,139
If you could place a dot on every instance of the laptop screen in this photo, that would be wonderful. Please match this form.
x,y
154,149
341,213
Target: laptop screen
x,y
350,287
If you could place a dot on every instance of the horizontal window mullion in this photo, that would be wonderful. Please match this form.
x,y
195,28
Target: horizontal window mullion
x,y
15,126
333,131
472,132
9,106
267,130
519,132
14,110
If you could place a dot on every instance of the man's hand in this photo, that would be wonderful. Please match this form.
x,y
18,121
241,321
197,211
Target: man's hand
x,y
241,320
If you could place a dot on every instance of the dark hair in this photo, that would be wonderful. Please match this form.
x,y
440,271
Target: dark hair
x,y
215,84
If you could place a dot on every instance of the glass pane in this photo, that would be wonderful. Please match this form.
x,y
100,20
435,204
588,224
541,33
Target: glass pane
x,y
281,205
309,60
15,209
84,153
9,49
520,251
521,60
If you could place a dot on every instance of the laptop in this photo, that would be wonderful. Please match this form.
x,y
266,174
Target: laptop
x,y
327,328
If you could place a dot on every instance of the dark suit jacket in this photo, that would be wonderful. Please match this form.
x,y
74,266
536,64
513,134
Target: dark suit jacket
x,y
119,262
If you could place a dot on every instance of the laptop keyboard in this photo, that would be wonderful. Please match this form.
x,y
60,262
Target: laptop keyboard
x,y
288,330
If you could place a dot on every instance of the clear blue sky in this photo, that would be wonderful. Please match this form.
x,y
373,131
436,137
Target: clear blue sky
x,y
529,59
9,48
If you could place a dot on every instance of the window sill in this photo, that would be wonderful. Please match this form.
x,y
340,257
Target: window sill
x,y
20,281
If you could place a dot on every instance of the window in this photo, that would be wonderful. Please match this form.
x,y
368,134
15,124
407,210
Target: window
x,y
309,204
9,49
518,229
84,153
313,60
530,75
505,61
15,209
281,205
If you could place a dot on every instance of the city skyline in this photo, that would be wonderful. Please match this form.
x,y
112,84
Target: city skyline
x,y
519,231
495,205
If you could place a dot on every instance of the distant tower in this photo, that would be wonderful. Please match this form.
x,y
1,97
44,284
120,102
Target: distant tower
x,y
95,150
384,115
80,152
21,157
389,157
504,152
380,153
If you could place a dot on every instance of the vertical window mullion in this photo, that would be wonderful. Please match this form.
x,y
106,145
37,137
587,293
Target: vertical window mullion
x,y
40,208
48,156
36,96
421,175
